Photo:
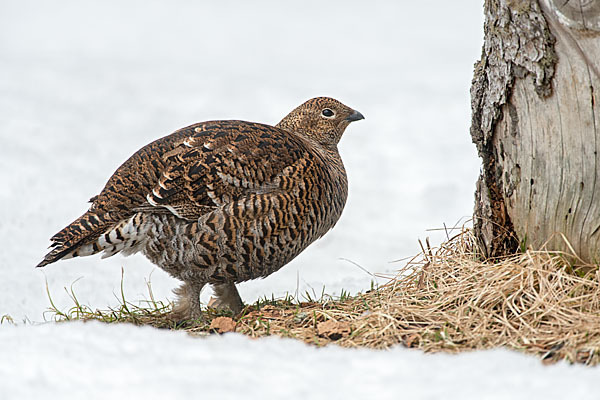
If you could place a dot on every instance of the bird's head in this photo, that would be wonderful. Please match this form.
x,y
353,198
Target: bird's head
x,y
321,119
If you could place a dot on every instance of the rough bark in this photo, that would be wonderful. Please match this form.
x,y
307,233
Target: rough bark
x,y
536,124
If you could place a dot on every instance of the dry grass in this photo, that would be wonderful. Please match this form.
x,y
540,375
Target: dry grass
x,y
445,299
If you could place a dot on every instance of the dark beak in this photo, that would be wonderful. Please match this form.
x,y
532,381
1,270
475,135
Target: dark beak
x,y
355,116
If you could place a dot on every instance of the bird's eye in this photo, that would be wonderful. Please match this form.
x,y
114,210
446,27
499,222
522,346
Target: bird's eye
x,y
327,113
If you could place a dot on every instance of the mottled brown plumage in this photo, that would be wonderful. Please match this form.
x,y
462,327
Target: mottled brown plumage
x,y
220,202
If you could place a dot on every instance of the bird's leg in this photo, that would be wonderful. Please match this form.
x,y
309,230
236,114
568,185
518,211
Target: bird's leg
x,y
228,296
187,305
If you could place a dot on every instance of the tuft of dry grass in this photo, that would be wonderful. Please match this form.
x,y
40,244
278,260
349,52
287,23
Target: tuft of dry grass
x,y
444,299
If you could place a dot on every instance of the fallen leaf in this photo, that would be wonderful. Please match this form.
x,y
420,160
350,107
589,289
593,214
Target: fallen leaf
x,y
222,325
333,330
411,340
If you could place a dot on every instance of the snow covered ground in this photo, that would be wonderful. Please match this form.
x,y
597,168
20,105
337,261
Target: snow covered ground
x,y
84,84
94,361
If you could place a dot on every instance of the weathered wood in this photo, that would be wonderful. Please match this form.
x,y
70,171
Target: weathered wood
x,y
517,43
581,14
536,124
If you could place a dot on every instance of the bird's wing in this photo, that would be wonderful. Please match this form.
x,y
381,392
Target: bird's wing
x,y
225,161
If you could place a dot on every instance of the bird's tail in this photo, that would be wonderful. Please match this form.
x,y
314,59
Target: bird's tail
x,y
94,233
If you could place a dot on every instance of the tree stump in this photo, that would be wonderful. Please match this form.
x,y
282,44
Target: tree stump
x,y
536,125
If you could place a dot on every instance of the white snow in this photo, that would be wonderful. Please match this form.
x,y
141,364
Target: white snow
x,y
95,361
84,84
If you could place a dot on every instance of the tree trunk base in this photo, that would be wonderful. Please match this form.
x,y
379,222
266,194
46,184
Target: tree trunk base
x,y
536,124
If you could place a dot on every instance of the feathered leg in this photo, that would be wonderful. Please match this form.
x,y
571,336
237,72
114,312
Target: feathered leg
x,y
228,296
187,305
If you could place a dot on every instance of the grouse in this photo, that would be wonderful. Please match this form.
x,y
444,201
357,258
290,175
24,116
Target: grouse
x,y
220,202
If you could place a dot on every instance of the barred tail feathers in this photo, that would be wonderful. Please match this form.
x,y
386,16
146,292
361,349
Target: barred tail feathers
x,y
126,236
